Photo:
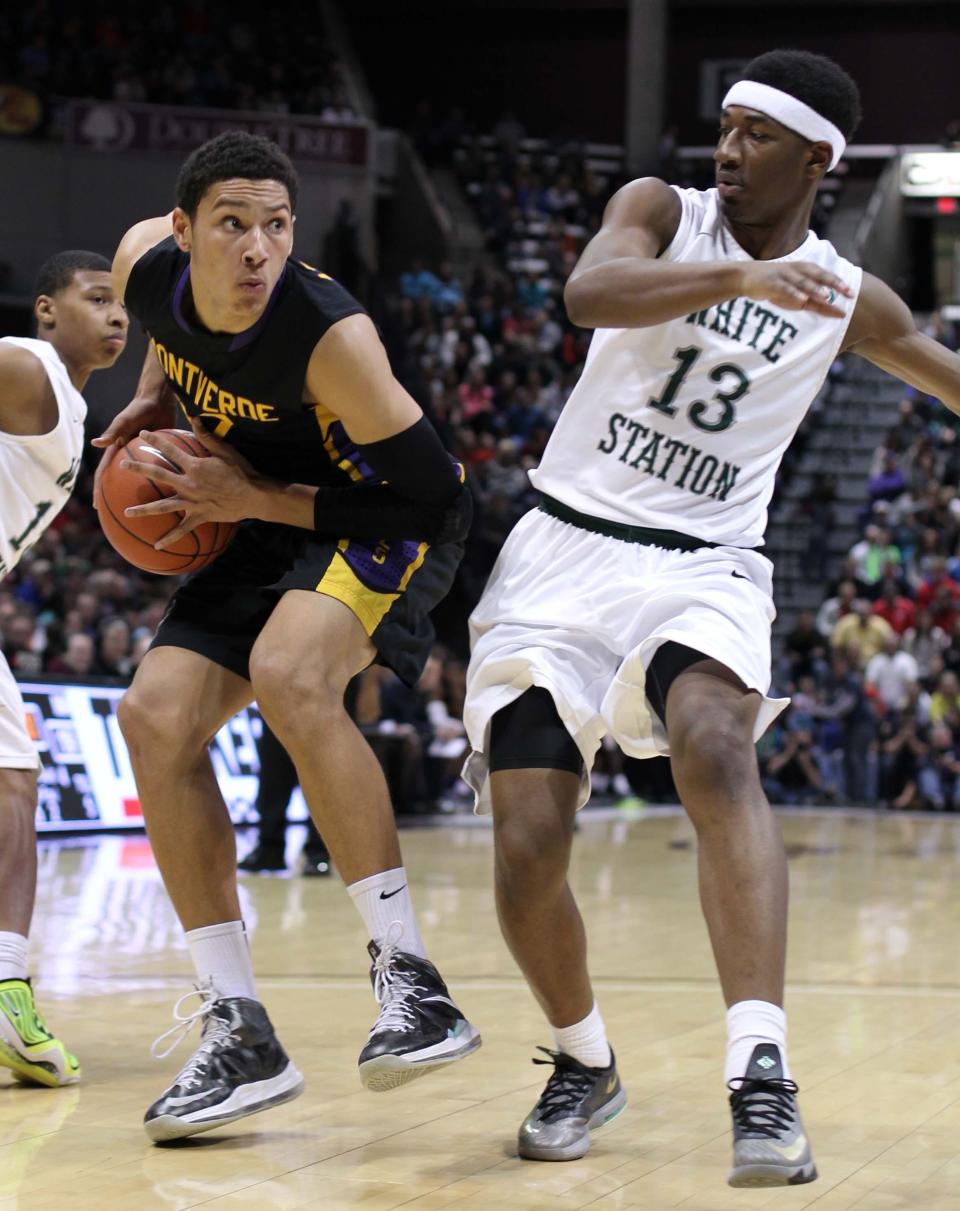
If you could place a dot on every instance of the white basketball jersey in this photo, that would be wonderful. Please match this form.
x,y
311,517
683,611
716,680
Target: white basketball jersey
x,y
37,474
682,426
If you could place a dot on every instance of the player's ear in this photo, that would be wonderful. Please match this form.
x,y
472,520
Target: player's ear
x,y
182,229
818,161
45,311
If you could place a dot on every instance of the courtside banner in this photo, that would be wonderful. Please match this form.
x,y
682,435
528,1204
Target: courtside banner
x,y
115,127
86,780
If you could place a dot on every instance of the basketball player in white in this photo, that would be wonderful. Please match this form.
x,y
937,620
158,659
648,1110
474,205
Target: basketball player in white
x,y
81,327
634,601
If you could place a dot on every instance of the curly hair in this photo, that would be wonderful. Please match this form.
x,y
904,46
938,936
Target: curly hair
x,y
57,272
235,153
813,79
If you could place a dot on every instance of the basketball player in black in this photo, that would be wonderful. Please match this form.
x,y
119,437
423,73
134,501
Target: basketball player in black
x,y
284,378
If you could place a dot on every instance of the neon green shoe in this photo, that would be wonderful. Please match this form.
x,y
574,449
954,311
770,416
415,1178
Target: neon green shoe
x,y
27,1047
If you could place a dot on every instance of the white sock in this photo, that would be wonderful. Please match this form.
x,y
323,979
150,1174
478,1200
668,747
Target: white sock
x,y
13,956
382,899
586,1040
221,956
748,1024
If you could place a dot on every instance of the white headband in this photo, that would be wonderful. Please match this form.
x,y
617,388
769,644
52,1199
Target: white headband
x,y
789,112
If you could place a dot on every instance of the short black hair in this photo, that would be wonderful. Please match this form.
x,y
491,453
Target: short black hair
x,y
813,79
235,153
58,271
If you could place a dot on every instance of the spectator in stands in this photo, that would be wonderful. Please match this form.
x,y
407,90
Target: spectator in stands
x,y
504,475
22,641
475,398
940,595
836,607
77,660
418,282
873,554
890,482
861,634
892,606
925,642
846,703
892,675
939,774
805,649
113,658
908,429
790,774
945,700
904,750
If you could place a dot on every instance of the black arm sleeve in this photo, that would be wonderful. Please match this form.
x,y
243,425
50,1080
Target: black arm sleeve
x,y
415,464
377,511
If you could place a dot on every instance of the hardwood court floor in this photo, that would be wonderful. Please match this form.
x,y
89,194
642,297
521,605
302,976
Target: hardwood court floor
x,y
874,1008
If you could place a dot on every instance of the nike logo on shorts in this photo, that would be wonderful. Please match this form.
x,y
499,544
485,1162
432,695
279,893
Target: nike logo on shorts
x,y
739,575
385,895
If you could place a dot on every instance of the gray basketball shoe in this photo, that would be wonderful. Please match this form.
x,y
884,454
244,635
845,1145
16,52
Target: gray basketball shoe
x,y
575,1101
770,1146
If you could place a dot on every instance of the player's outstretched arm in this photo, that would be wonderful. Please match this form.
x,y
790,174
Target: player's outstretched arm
x,y
24,387
620,282
883,331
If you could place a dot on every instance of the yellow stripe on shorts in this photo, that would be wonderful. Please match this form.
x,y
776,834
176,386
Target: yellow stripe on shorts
x,y
370,607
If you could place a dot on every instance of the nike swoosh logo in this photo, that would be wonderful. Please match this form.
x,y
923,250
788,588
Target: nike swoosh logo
x,y
185,1101
739,576
795,1150
438,1000
611,1084
385,895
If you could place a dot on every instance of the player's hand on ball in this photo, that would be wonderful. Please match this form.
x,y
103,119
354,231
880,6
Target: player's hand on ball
x,y
138,415
796,286
219,488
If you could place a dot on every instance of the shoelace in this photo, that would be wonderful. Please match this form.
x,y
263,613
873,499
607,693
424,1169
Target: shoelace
x,y
215,1032
762,1108
393,986
566,1087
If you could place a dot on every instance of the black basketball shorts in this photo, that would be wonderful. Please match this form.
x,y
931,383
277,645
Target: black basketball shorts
x,y
391,585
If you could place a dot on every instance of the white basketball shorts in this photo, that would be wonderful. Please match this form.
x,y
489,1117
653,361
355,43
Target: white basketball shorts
x,y
582,615
16,747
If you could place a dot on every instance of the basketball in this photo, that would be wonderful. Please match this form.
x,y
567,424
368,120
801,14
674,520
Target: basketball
x,y
133,537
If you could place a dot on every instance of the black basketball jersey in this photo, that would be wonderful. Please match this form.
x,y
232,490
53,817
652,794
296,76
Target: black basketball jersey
x,y
247,387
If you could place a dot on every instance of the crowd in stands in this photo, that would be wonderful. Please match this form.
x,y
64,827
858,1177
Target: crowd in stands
x,y
201,52
875,673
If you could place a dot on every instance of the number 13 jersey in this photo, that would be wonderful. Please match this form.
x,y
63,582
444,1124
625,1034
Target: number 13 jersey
x,y
682,425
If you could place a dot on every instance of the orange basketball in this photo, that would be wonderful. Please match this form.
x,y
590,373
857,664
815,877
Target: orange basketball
x,y
133,537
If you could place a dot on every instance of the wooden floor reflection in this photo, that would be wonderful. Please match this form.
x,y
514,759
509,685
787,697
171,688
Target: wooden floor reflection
x,y
874,1009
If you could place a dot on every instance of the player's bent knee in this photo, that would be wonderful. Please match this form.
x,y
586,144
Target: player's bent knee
x,y
153,721
715,753
290,696
529,854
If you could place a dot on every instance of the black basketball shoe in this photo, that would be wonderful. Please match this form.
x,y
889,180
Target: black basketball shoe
x,y
770,1146
238,1069
575,1101
419,1027
264,858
